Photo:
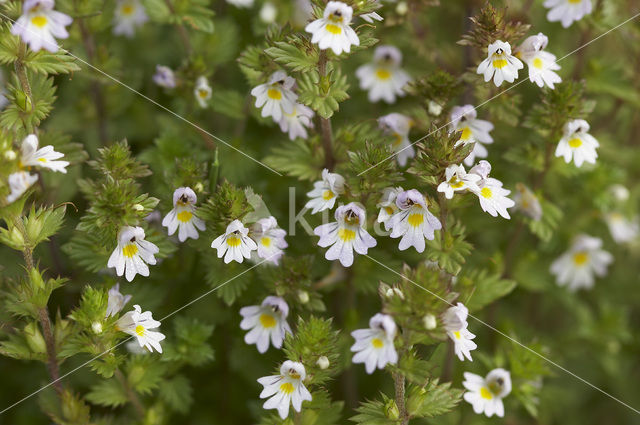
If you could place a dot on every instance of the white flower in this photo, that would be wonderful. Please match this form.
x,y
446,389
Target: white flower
x,y
398,126
455,323
269,238
325,192
164,77
265,322
39,24
542,65
202,91
137,323
235,243
413,222
500,64
388,205
276,95
19,182
457,179
333,30
285,388
374,346
133,253
619,192
492,196
383,78
486,394
116,301
345,235
297,122
463,119
45,157
527,202
183,215
577,143
268,13
567,11
622,229
241,3
576,268
129,14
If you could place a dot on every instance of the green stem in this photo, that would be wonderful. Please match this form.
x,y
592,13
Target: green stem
x,y
131,395
184,36
325,123
399,384
21,71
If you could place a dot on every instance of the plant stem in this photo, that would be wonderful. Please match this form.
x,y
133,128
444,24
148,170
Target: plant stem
x,y
398,380
52,361
133,397
325,123
184,36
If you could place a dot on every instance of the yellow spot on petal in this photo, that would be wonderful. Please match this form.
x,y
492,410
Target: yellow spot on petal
x,y
457,334
485,393
415,220
267,321
397,139
274,94
575,143
486,192
286,388
499,63
233,241
127,9
333,29
140,330
579,258
130,250
334,18
466,134
346,234
537,63
383,74
575,1
455,183
265,241
377,343
184,216
388,210
42,159
327,194
39,21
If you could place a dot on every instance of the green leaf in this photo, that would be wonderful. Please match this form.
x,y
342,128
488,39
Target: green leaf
x,y
296,54
144,373
177,393
323,94
298,158
228,102
449,249
432,400
107,392
481,288
376,412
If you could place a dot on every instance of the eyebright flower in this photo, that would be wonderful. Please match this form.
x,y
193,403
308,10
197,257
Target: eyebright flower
x,y
269,238
297,122
388,205
276,95
268,13
19,182
500,64
457,179
463,119
129,15
374,346
138,324
45,157
164,77
455,323
486,394
413,222
383,78
346,234
183,215
567,11
492,196
527,202
622,229
265,322
285,388
577,143
576,268
398,126
133,253
39,24
235,243
325,192
333,30
542,65
116,300
202,91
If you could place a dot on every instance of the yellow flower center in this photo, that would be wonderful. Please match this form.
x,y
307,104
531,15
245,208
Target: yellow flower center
x,y
233,241
336,19
383,74
537,63
334,29
397,139
265,241
580,258
286,388
485,393
575,142
486,192
39,21
130,250
267,321
377,343
499,63
457,334
388,210
327,194
346,234
140,330
415,219
466,134
455,183
184,216
575,1
274,94
203,93
127,9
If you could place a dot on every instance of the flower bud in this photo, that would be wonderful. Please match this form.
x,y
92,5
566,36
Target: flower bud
x,y
138,207
9,155
435,109
96,327
303,296
323,362
429,321
268,13
402,8
391,410
23,101
34,338
198,187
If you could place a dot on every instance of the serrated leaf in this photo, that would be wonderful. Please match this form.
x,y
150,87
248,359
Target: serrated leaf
x,y
177,393
108,392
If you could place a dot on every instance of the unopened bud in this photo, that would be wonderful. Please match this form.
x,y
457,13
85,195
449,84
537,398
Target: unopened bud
x,y
394,292
268,13
391,410
402,8
96,327
323,362
429,321
34,338
138,207
23,101
435,109
198,187
9,155
303,296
